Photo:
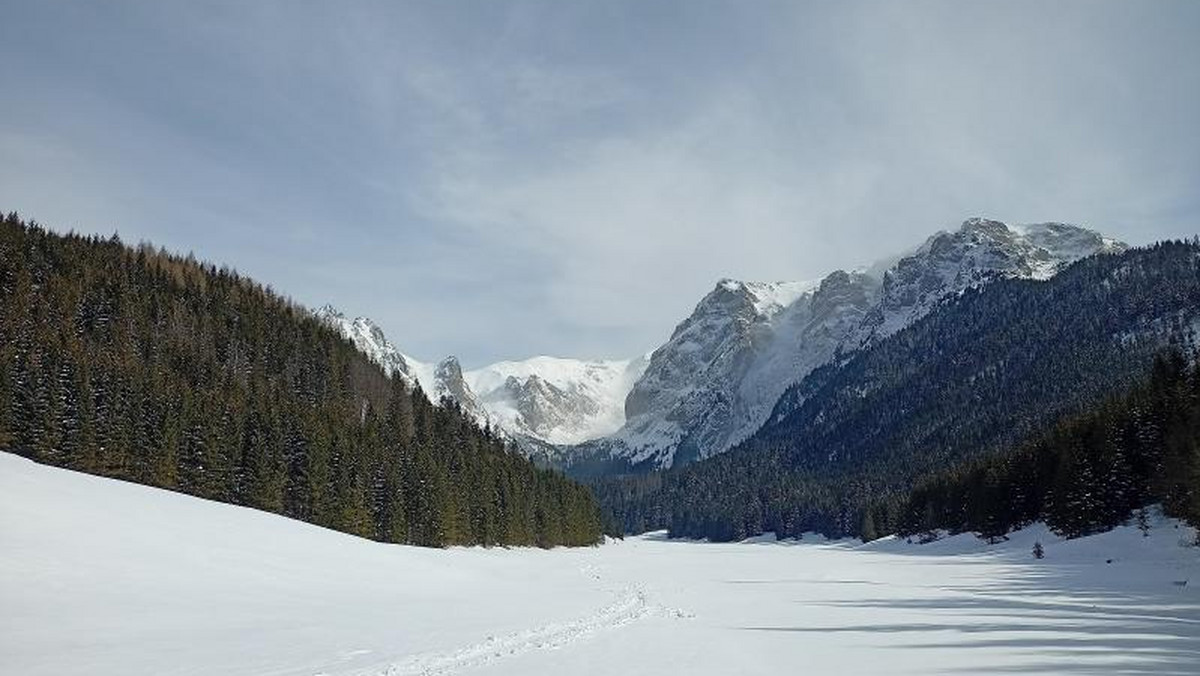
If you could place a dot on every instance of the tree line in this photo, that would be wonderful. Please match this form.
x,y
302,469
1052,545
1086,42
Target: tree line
x,y
141,365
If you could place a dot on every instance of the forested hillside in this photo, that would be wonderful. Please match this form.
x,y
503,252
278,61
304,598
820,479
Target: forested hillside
x,y
1088,474
982,373
155,368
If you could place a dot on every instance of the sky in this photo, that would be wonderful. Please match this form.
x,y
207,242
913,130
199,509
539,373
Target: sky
x,y
497,180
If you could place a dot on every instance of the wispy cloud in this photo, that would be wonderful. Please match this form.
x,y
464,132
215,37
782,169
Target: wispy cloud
x,y
502,179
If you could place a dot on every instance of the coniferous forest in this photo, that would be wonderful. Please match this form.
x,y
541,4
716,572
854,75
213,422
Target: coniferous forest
x,y
1088,474
982,374
140,365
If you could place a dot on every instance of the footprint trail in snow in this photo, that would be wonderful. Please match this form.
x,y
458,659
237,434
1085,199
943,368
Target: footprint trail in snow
x,y
630,606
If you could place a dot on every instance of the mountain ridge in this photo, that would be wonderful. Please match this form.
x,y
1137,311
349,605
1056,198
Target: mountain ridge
x,y
983,371
726,366
539,402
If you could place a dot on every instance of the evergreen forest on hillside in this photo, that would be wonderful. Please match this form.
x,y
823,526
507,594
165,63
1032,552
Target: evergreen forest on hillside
x,y
983,373
1088,474
140,365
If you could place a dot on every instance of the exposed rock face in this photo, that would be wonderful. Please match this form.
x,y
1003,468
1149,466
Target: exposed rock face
x,y
725,367
448,383
718,377
369,339
951,262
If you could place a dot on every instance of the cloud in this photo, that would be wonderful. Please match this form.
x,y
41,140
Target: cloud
x,y
909,122
506,179
631,229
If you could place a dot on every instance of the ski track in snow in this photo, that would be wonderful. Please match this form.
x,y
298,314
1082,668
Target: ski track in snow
x,y
631,605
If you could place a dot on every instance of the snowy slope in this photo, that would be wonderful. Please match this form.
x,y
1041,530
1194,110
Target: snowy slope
x,y
724,368
100,577
549,399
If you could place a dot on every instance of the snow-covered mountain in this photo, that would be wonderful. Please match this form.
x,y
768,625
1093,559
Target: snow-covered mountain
x,y
725,367
370,340
951,262
722,371
559,401
546,399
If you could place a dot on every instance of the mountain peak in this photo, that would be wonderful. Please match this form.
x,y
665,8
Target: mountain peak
x,y
449,368
728,363
985,226
328,311
982,249
726,366
757,297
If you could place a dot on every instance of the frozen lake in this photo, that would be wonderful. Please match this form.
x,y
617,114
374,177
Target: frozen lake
x,y
103,577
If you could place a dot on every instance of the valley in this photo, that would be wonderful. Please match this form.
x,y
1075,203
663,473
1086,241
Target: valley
x,y
600,338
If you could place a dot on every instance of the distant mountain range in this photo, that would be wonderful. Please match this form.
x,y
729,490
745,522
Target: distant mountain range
x,y
726,366
538,402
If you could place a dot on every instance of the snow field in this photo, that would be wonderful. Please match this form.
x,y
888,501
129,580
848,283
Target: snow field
x,y
104,577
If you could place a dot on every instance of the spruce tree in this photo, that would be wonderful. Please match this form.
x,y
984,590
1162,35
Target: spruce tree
x,y
1143,522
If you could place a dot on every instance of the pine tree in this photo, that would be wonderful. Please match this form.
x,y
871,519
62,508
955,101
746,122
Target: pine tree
x,y
1143,522
867,529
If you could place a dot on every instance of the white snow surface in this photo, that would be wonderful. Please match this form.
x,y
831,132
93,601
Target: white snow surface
x,y
102,577
770,297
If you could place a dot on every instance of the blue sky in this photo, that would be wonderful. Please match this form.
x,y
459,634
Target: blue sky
x,y
503,179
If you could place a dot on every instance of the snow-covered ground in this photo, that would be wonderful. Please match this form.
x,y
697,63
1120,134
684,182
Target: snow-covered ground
x,y
103,577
